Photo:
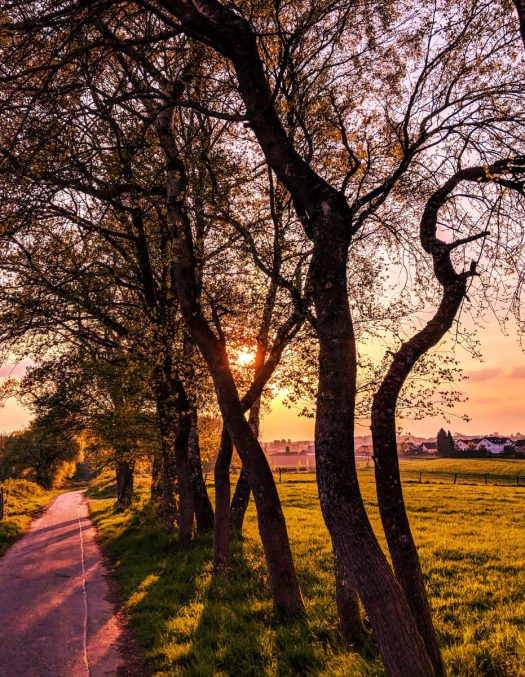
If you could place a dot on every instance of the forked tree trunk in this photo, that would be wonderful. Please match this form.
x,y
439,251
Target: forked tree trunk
x,y
359,557
272,526
203,508
125,475
221,532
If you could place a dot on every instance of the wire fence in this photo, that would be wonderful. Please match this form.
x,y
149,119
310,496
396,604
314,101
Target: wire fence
x,y
304,474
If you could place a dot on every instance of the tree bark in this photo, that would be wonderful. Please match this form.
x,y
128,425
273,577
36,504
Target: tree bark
x,y
175,424
240,501
156,478
272,526
241,496
125,475
383,420
359,557
221,533
203,508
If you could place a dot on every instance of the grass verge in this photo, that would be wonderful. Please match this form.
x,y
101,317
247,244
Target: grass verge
x,y
25,500
192,623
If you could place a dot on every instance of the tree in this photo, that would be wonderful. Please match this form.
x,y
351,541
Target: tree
x,y
45,451
383,158
442,443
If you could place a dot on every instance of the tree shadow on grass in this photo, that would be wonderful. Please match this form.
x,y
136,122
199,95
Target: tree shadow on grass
x,y
192,622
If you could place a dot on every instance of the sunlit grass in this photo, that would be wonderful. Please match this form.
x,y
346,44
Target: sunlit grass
x,y
24,499
189,623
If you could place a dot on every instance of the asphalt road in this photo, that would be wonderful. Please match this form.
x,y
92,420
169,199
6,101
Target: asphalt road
x,y
56,619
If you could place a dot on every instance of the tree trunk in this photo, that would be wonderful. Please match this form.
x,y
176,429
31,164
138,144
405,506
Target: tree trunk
x,y
203,508
272,526
186,498
348,610
401,544
156,478
125,476
175,424
221,532
240,501
360,560
241,496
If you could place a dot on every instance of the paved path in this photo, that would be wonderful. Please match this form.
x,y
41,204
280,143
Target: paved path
x,y
55,617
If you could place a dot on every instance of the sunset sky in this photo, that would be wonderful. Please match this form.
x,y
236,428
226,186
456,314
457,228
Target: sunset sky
x,y
495,390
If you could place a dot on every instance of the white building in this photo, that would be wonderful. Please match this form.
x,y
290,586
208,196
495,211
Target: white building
x,y
494,445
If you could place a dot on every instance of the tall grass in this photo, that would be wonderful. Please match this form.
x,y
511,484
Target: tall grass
x,y
25,498
192,623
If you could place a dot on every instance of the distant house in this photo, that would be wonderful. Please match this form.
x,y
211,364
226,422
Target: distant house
x,y
428,448
467,445
494,445
365,450
519,448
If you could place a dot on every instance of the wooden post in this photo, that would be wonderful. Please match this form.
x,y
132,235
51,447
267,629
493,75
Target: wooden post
x,y
455,478
420,474
485,479
280,475
517,480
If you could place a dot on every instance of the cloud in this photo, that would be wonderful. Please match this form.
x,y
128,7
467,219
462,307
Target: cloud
x,y
485,374
518,372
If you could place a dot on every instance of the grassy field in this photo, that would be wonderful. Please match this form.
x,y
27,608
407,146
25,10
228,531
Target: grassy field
x,y
25,499
190,623
493,466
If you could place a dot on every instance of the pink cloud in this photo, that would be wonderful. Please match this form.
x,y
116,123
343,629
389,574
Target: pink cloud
x,y
518,372
485,374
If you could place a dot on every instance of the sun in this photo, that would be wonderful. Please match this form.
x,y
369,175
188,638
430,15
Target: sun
x,y
245,357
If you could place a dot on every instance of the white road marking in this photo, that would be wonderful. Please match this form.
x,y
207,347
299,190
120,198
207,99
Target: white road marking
x,y
84,592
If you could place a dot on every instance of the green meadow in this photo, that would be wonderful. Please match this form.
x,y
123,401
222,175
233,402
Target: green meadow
x,y
190,622
25,500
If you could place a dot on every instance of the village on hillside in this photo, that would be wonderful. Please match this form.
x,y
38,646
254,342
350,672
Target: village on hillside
x,y
286,453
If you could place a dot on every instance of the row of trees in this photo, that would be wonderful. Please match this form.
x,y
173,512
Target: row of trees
x,y
180,181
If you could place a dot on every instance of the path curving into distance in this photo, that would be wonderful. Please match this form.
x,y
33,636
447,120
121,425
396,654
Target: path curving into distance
x,y
56,619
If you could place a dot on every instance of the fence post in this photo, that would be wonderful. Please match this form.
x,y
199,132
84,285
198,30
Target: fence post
x,y
517,480
280,475
455,477
485,479
420,474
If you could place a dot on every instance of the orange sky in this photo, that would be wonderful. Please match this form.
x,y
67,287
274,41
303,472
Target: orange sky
x,y
496,392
